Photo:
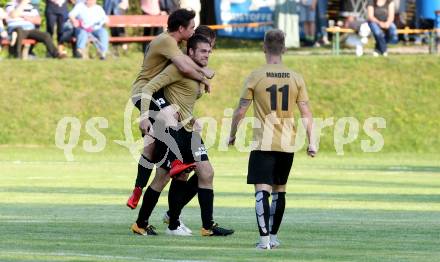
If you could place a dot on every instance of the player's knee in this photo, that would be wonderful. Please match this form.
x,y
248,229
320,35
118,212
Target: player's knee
x,y
160,181
206,177
279,188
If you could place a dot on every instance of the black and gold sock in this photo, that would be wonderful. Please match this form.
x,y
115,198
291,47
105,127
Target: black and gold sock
x,y
277,211
206,202
148,203
145,166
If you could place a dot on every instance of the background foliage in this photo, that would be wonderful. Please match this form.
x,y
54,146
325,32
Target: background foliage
x,y
35,95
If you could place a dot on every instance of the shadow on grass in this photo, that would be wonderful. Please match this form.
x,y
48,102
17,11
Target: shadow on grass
x,y
102,233
385,168
362,183
376,197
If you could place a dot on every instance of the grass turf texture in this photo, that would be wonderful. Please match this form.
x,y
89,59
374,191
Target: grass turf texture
x,y
35,95
377,207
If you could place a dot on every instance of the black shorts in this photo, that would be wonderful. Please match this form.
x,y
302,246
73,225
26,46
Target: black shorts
x,y
190,147
269,167
157,103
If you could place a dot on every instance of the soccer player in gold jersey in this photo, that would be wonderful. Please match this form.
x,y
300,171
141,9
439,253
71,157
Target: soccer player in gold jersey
x,y
182,92
274,89
162,51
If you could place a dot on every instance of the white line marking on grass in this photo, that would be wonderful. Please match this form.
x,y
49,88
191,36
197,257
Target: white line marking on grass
x,y
107,257
63,254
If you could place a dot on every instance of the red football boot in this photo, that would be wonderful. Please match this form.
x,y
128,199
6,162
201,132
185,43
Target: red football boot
x,y
133,200
177,167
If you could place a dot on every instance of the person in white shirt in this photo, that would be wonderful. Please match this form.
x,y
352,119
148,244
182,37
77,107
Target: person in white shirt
x,y
89,20
3,16
22,21
194,5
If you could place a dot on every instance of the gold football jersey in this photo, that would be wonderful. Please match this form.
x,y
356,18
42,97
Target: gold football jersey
x,y
275,91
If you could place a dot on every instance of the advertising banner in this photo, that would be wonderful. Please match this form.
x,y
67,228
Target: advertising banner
x,y
244,11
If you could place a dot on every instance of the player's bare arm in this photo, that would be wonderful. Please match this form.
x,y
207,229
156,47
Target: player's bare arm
x,y
239,114
307,119
190,69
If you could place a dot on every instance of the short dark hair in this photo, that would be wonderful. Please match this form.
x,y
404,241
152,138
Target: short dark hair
x,y
194,40
206,31
180,17
274,41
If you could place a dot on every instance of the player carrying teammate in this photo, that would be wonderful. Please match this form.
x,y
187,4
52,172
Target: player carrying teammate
x,y
182,92
160,52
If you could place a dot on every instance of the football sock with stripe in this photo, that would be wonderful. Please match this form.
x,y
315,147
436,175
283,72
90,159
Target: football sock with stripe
x,y
206,202
148,203
262,211
277,211
145,166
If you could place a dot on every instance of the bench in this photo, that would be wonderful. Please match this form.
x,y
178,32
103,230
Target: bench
x,y
135,21
336,31
126,21
26,45
5,42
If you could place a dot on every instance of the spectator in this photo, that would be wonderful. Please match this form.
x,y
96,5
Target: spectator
x,y
307,18
22,21
401,17
151,7
194,5
3,33
89,19
321,22
169,6
207,14
360,38
56,14
116,7
380,20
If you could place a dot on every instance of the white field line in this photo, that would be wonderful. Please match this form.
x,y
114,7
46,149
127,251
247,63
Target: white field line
x,y
106,257
63,254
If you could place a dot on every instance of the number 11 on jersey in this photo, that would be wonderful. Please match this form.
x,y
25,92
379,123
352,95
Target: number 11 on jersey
x,y
273,97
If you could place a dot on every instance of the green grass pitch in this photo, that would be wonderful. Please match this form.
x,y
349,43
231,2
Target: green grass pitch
x,y
357,207
377,207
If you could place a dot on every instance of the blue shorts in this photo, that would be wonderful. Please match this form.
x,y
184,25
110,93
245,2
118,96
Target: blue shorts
x,y
306,14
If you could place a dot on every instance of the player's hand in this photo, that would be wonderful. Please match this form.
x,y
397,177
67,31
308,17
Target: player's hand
x,y
123,5
208,73
312,151
145,125
231,141
75,23
207,85
383,25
